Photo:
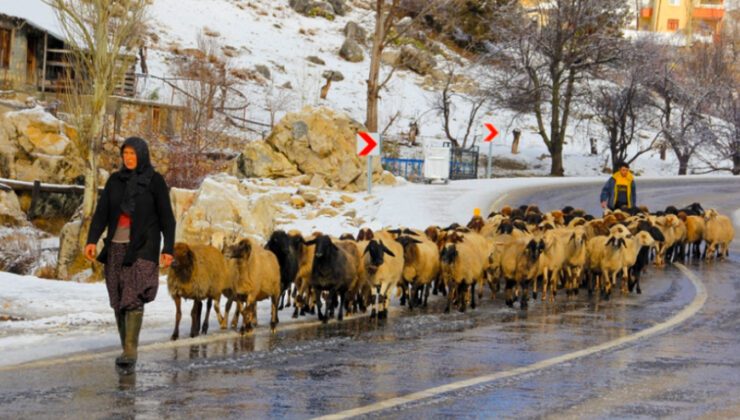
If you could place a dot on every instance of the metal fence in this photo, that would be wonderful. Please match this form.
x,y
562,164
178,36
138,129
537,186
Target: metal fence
x,y
463,165
411,169
463,162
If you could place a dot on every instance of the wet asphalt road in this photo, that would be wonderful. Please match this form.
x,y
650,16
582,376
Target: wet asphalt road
x,y
692,370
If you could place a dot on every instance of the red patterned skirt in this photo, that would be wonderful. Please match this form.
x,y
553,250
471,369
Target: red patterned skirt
x,y
129,287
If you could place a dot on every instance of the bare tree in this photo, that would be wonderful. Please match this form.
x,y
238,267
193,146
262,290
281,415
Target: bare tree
x,y
387,14
687,85
102,36
547,54
205,88
445,106
278,100
622,106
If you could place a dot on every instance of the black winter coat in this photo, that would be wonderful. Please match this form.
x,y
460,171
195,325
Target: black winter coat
x,y
153,216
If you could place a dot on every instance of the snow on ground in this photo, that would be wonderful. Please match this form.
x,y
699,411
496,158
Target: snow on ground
x,y
60,318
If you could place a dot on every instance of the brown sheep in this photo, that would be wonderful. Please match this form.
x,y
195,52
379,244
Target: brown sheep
x,y
255,274
718,233
694,234
198,272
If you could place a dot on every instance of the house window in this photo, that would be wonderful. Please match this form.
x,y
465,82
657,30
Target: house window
x,y
674,2
672,24
5,36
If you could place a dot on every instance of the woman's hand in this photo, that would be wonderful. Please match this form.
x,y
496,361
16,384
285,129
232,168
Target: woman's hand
x,y
165,260
90,251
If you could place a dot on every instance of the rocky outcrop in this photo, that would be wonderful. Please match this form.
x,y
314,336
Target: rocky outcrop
x,y
222,210
322,143
355,32
10,210
259,160
325,9
416,60
351,51
34,145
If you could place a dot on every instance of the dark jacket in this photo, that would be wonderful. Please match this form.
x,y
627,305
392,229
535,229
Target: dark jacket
x,y
608,193
153,216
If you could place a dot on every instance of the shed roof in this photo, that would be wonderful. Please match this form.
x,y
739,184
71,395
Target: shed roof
x,y
37,13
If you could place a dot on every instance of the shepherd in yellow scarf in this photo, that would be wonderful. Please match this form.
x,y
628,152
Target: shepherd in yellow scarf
x,y
619,191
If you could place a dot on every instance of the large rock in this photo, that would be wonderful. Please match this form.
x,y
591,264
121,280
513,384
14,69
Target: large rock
x,y
322,143
340,7
10,210
315,8
355,32
34,145
223,210
421,62
351,51
259,160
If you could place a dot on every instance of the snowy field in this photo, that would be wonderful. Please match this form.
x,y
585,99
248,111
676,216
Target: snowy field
x,y
61,318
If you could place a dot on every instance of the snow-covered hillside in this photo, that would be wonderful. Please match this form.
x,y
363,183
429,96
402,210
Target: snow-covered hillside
x,y
270,33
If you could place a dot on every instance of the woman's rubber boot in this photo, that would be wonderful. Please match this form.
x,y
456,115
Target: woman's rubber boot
x,y
121,323
126,363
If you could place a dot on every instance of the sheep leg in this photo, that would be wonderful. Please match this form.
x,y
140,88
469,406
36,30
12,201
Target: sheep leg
x,y
554,280
340,315
427,288
274,315
509,292
281,305
219,317
524,301
204,328
545,282
450,297
195,317
386,299
178,317
472,296
317,298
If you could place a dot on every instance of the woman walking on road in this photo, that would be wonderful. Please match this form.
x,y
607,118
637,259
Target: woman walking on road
x,y
135,209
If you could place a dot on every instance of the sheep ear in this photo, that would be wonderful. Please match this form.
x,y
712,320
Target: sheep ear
x,y
623,243
610,241
367,249
311,242
572,238
387,251
410,232
414,241
395,231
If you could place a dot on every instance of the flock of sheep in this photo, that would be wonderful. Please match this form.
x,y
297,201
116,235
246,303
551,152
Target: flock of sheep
x,y
522,247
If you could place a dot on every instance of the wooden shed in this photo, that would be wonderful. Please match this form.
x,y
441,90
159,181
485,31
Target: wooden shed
x,y
33,53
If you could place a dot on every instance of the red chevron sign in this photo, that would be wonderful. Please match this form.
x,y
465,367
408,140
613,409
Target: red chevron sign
x,y
493,131
367,144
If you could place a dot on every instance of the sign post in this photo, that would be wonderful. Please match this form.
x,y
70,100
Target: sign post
x,y
493,133
368,144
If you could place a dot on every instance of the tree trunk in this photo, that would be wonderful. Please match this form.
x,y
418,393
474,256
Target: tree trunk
x,y
594,149
515,143
683,164
557,168
371,118
736,164
663,151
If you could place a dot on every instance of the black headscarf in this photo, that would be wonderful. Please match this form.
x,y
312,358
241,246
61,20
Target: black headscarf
x,y
137,180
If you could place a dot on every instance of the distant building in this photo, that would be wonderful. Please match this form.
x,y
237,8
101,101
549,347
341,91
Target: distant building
x,y
700,17
33,53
